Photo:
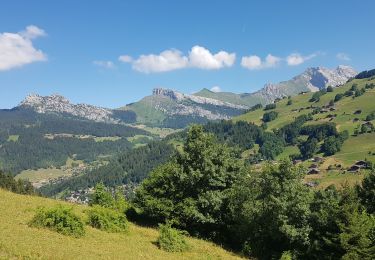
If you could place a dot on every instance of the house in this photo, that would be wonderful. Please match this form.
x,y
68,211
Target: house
x,y
317,159
361,163
313,166
313,171
354,168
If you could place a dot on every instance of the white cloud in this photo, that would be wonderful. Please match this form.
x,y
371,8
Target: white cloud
x,y
199,57
33,32
165,61
104,63
215,89
125,58
343,56
255,62
16,49
295,59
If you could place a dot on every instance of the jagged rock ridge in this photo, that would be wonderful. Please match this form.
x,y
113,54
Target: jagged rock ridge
x,y
59,104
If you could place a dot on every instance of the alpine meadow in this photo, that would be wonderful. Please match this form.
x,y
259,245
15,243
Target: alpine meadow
x,y
187,130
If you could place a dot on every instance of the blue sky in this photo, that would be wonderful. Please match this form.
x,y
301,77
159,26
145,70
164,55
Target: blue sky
x,y
74,47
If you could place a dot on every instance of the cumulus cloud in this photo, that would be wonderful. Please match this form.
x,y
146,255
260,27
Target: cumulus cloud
x,y
215,89
33,32
295,59
104,63
198,57
254,62
343,56
16,49
165,61
125,58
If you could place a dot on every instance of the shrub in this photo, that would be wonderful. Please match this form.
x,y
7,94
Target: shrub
x,y
289,102
338,97
329,89
270,106
61,219
171,239
287,255
107,219
102,197
269,116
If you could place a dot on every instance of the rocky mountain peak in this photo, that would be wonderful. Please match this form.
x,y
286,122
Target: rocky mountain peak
x,y
59,104
167,93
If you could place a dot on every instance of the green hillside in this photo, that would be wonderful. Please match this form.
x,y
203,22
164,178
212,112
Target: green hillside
x,y
349,113
245,99
19,241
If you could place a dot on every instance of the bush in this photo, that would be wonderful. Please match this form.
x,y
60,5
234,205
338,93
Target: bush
x,y
61,219
270,106
329,89
107,219
269,116
171,239
338,97
289,102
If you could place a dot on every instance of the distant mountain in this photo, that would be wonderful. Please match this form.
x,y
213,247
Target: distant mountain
x,y
312,79
58,104
172,109
169,108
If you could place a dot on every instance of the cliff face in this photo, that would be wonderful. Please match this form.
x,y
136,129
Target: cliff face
x,y
59,104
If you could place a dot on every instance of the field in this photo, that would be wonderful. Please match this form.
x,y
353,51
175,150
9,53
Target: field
x,y
40,175
13,138
19,241
348,114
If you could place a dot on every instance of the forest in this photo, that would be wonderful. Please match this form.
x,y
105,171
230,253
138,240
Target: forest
x,y
266,214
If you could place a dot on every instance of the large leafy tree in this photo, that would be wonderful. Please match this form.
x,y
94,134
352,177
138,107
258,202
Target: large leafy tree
x,y
191,190
271,211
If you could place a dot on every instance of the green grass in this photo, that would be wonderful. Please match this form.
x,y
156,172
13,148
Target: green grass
x,y
13,138
357,148
289,150
353,149
107,138
19,241
41,174
344,108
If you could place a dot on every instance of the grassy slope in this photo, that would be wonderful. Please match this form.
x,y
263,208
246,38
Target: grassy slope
x,y
18,241
355,148
239,99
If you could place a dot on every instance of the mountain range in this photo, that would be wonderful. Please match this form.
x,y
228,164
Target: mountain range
x,y
173,109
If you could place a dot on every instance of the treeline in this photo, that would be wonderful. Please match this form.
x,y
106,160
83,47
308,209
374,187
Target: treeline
x,y
245,135
7,182
365,74
206,190
131,166
32,150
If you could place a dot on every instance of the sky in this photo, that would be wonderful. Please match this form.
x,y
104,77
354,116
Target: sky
x,y
111,53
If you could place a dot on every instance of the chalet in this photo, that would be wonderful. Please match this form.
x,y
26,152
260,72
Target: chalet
x,y
354,168
313,166
361,163
317,159
313,171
